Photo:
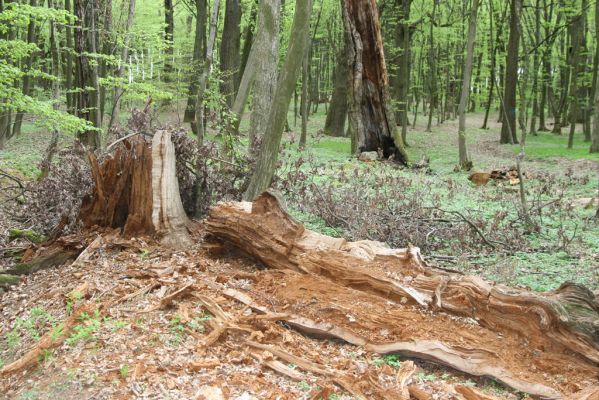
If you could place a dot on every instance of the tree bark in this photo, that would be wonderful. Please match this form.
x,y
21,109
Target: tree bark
x,y
559,325
31,38
464,160
595,133
337,114
576,29
169,30
118,91
508,126
198,125
229,51
260,71
136,189
269,150
372,122
198,46
87,106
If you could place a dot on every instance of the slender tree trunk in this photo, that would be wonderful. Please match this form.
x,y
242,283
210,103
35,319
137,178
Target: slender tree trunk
x,y
508,126
31,38
229,51
203,81
248,38
118,90
169,30
269,151
56,61
86,100
260,71
433,96
372,122
107,48
404,78
198,46
464,160
335,122
595,133
493,55
68,73
304,100
535,68
575,26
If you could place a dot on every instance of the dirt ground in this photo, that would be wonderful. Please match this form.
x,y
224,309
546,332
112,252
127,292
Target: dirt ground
x,y
161,324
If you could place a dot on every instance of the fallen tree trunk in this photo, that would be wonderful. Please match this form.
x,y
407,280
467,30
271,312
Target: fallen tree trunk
x,y
136,189
519,332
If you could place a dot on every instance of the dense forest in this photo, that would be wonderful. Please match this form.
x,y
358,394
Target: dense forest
x,y
309,199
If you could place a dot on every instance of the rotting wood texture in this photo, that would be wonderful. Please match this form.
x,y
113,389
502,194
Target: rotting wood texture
x,y
136,189
545,344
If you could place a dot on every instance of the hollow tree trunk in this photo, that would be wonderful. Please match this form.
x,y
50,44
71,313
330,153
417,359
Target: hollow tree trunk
x,y
370,117
514,336
136,189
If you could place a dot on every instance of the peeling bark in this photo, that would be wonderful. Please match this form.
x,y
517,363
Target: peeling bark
x,y
136,189
516,333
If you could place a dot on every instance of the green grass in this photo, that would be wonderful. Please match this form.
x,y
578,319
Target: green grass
x,y
546,145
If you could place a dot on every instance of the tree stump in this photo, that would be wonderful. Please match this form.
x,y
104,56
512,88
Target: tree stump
x,y
136,189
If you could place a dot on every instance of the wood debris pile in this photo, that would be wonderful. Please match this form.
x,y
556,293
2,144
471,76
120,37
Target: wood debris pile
x,y
328,319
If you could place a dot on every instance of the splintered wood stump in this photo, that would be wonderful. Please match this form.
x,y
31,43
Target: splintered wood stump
x,y
136,189
546,344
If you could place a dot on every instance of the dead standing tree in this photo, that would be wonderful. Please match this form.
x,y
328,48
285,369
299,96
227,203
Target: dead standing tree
x,y
371,119
136,189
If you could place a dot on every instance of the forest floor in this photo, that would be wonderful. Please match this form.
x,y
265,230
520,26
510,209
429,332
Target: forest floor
x,y
148,330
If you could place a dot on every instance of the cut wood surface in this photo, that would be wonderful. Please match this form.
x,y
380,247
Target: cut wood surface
x,y
545,344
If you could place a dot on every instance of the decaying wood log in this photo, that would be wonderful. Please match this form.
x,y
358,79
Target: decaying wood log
x,y
136,189
561,325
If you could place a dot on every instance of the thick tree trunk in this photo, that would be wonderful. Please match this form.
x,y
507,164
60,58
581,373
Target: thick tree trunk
x,y
229,51
136,189
514,336
464,160
372,122
260,71
508,126
337,114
